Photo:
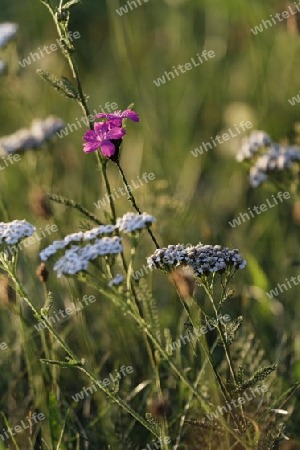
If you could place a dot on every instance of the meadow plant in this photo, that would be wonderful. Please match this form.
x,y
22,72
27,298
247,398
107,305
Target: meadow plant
x,y
210,375
34,137
268,158
7,33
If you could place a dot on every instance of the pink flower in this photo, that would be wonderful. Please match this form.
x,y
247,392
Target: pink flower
x,y
101,138
116,117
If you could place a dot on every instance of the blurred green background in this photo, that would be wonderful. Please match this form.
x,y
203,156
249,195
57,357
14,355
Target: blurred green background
x,y
250,78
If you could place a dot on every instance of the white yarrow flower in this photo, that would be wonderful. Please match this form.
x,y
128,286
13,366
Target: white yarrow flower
x,y
274,158
76,258
13,232
7,32
24,139
203,259
252,144
131,222
118,279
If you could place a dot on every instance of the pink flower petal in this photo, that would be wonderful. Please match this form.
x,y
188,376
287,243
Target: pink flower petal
x,y
131,115
108,149
115,133
101,127
89,147
89,135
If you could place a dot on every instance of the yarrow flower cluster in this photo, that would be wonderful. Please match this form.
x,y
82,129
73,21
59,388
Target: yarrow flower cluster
x,y
203,259
32,138
273,158
106,134
76,237
252,144
76,258
13,232
131,222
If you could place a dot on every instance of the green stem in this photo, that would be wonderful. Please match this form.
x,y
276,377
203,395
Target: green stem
x,y
225,345
133,202
220,331
121,403
118,300
75,360
136,305
63,34
67,202
25,297
177,371
51,344
188,403
107,185
208,355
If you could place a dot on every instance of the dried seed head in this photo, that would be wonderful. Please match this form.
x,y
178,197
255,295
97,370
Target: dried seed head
x,y
42,273
296,212
160,407
40,204
7,293
183,278
292,21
